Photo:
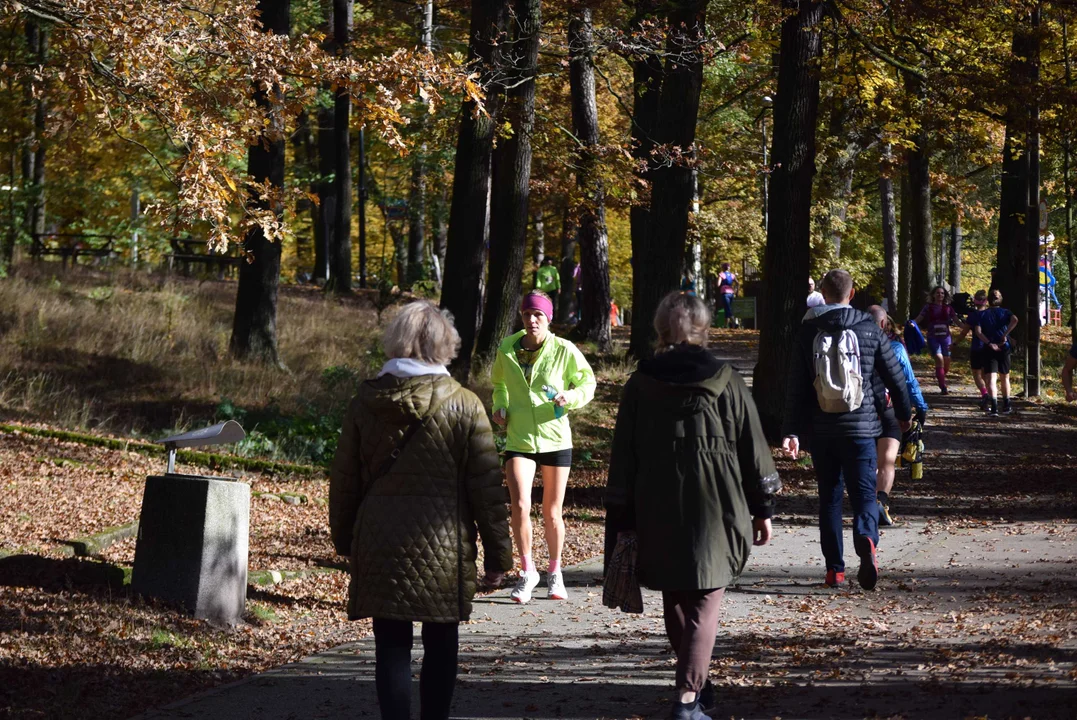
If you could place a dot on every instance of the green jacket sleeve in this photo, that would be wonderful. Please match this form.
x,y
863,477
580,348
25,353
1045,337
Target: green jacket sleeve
x,y
758,475
497,379
345,483
621,479
485,492
580,378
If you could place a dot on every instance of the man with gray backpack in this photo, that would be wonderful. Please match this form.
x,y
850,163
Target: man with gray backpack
x,y
831,412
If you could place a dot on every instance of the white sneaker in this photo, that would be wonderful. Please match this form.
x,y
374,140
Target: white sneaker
x,y
556,583
528,582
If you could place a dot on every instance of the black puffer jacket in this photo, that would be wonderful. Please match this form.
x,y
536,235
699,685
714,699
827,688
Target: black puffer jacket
x,y
803,417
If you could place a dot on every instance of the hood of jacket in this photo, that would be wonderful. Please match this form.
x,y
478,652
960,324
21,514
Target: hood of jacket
x,y
684,381
833,317
402,400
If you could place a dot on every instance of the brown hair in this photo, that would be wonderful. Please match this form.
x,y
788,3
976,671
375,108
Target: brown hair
x,y
837,285
682,317
994,298
945,295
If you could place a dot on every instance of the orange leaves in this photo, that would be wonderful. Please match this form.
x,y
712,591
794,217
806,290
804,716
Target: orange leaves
x,y
143,68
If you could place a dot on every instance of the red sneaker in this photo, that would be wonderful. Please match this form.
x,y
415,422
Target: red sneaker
x,y
834,578
868,575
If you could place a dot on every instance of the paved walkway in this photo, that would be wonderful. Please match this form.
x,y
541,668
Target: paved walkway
x,y
788,646
974,616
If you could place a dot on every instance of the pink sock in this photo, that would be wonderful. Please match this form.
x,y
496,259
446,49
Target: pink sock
x,y
527,564
983,391
940,375
555,566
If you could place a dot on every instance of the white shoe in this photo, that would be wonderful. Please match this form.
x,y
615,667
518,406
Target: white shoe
x,y
528,582
556,583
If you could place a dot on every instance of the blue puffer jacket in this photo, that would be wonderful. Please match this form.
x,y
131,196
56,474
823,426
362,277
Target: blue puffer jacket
x,y
911,382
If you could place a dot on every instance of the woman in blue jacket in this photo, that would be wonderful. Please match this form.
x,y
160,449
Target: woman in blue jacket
x,y
889,443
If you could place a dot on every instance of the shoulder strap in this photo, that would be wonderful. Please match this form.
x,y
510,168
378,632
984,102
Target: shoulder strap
x,y
409,433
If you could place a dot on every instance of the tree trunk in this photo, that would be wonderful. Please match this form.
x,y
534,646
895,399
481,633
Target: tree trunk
x,y
646,90
340,255
1031,321
417,193
441,235
838,174
306,155
658,266
462,290
889,228
905,308
327,194
254,331
538,250
569,234
1067,185
955,258
787,254
511,178
33,164
921,237
594,322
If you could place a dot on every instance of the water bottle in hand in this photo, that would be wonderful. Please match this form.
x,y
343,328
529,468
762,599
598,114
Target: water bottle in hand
x,y
551,393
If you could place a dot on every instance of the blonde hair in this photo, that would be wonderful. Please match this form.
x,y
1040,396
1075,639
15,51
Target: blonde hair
x,y
681,318
422,332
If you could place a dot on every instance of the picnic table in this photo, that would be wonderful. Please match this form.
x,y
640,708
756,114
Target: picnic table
x,y
188,251
72,246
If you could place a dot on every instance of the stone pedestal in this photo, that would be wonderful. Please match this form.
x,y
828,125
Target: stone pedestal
x,y
192,544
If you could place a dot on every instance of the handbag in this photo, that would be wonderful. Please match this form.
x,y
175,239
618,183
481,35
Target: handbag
x,y
621,586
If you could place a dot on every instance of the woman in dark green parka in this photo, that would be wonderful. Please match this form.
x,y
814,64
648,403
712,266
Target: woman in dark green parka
x,y
692,475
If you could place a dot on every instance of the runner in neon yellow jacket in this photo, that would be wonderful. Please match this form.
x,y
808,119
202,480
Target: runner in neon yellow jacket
x,y
537,377
532,425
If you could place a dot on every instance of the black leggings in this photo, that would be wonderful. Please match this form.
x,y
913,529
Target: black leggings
x,y
392,672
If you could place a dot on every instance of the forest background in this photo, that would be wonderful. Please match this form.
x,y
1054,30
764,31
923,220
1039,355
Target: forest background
x,y
651,141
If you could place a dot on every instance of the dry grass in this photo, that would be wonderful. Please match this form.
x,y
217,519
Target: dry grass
x,y
133,353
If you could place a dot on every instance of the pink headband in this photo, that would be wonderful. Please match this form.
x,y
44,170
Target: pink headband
x,y
533,301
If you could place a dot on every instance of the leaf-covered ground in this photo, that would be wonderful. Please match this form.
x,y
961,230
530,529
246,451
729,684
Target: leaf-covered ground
x,y
75,643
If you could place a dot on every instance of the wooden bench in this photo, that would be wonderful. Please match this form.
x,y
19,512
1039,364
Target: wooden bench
x,y
72,246
188,251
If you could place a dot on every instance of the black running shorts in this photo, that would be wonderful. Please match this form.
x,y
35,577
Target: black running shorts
x,y
891,427
976,358
997,361
556,458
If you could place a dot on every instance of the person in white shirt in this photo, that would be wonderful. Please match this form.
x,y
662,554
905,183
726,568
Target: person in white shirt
x,y
814,296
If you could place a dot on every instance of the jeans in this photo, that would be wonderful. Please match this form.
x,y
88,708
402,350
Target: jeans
x,y
392,669
854,461
691,626
727,303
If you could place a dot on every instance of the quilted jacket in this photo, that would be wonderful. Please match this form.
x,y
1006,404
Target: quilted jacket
x,y
411,533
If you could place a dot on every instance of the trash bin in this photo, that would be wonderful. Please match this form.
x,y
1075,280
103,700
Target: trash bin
x,y
193,534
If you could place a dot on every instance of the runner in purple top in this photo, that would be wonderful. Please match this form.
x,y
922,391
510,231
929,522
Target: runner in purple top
x,y
936,319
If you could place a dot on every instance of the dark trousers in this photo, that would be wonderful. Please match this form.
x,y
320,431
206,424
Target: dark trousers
x,y
850,462
392,671
691,624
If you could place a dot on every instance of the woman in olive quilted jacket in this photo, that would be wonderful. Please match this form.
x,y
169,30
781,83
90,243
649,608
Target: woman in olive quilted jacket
x,y
415,481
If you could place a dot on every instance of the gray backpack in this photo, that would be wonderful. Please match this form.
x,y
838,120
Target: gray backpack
x,y
839,384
